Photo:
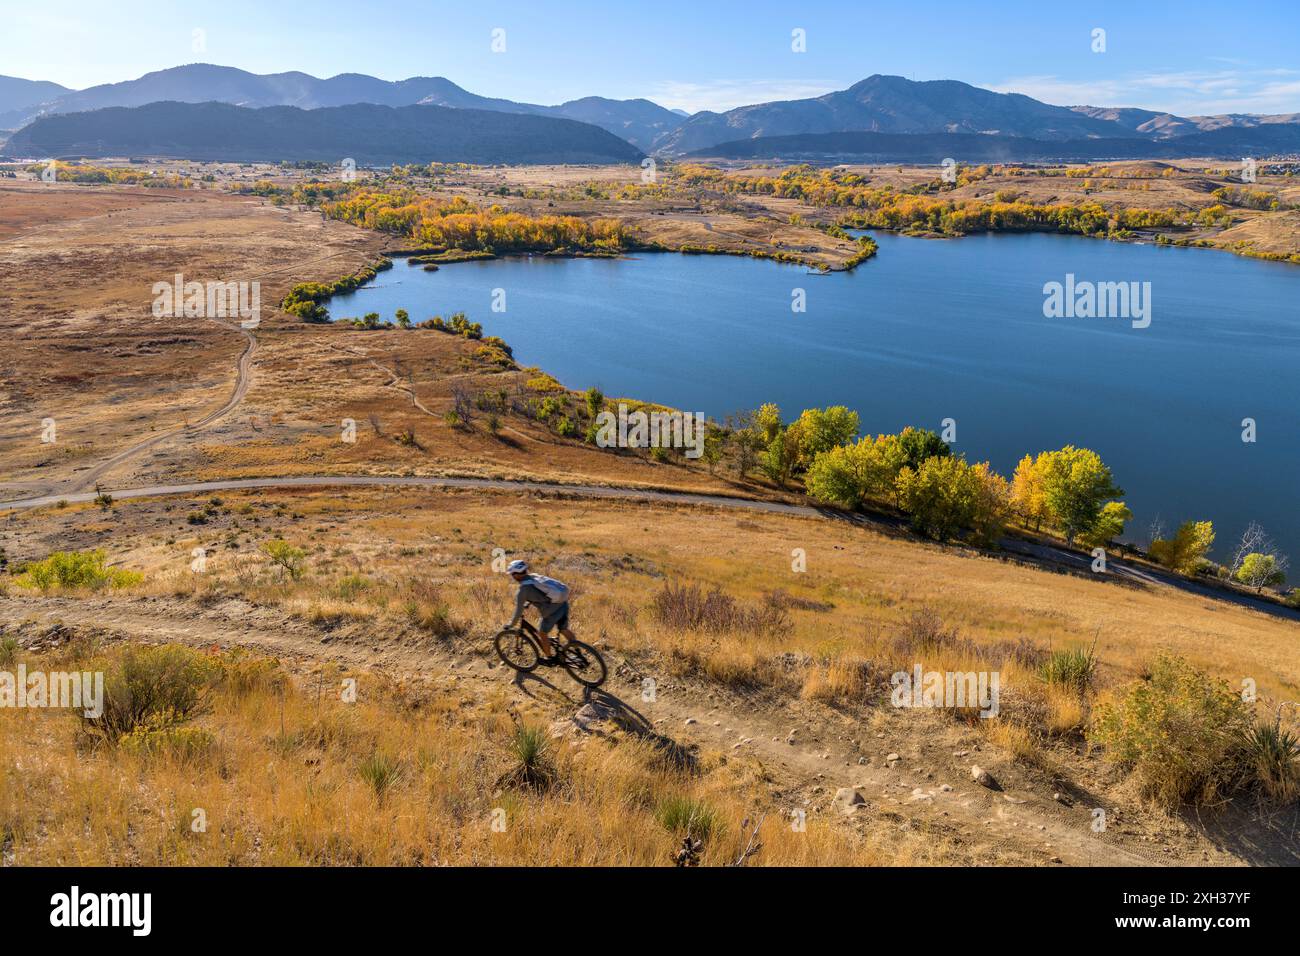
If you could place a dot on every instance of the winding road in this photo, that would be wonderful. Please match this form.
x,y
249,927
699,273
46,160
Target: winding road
x,y
1035,553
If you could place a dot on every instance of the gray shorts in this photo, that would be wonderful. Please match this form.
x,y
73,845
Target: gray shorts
x,y
557,615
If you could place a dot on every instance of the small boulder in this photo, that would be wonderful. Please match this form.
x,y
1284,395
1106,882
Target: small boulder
x,y
982,777
846,798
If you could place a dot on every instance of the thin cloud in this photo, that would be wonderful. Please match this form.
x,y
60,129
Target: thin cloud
x,y
723,95
1184,92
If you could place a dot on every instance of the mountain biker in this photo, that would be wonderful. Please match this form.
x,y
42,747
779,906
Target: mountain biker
x,y
549,596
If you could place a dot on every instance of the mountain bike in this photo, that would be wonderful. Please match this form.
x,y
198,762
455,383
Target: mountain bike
x,y
519,647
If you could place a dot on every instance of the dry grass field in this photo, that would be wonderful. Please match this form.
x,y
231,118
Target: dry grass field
x,y
771,682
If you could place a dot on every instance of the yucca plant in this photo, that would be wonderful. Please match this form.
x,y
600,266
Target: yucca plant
x,y
1072,668
1274,754
691,818
382,771
534,767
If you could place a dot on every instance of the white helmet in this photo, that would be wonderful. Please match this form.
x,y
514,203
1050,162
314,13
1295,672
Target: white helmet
x,y
517,567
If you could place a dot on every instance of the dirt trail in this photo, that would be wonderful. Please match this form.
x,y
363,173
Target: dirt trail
x,y
1041,555
1015,825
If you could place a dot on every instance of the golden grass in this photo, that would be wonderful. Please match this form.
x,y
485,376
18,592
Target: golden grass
x,y
406,775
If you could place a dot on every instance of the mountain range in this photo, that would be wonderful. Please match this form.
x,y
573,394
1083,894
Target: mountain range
x,y
639,122
931,148
879,105
371,135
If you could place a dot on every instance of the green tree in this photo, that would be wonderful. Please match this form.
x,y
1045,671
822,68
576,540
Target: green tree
x,y
849,475
920,444
782,456
403,318
1109,526
1260,571
947,496
821,429
1076,485
768,421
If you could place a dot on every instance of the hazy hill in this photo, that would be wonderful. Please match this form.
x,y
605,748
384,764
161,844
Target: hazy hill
x,y
893,104
369,134
865,147
638,121
18,97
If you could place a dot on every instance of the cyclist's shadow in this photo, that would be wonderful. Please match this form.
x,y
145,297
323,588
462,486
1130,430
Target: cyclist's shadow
x,y
599,706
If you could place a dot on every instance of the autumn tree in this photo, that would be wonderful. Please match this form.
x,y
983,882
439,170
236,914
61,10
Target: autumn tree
x,y
821,429
1029,492
1076,484
947,496
1186,550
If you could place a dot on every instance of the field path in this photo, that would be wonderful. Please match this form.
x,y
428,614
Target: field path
x,y
1037,554
1021,826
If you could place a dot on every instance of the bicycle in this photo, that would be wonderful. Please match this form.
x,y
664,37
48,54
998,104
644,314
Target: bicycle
x,y
519,648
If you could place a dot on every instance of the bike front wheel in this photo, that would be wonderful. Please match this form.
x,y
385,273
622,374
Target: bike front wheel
x,y
584,663
517,650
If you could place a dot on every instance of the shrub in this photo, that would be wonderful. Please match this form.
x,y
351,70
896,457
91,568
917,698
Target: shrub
x,y
433,618
285,556
688,607
544,383
8,651
243,674
153,688
73,569
688,817
1180,733
924,632
184,744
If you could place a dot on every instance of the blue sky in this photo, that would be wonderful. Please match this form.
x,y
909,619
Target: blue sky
x,y
1188,57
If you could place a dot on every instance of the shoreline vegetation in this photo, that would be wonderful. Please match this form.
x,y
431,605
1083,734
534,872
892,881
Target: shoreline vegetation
x,y
924,211
456,230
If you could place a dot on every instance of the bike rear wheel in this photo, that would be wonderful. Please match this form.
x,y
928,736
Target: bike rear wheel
x,y
518,650
584,663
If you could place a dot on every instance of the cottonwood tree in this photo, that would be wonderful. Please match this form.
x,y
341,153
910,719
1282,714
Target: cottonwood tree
x,y
1076,485
1186,550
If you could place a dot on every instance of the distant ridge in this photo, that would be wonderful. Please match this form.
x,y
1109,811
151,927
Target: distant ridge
x,y
372,135
1231,143
895,105
637,121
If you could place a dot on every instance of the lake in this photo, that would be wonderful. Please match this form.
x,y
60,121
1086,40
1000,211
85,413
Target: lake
x,y
935,329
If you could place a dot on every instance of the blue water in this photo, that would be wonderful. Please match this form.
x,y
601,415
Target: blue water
x,y
934,329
